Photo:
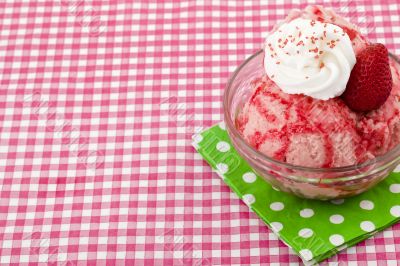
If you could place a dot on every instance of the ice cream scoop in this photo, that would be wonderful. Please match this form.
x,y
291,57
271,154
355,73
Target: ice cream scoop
x,y
300,120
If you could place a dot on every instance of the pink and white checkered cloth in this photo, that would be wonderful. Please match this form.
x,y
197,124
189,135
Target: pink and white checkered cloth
x,y
98,100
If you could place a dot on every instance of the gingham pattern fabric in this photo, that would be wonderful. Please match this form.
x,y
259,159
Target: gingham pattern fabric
x,y
98,100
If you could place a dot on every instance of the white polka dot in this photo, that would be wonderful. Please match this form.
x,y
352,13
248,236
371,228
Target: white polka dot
x,y
276,226
394,188
197,138
366,205
306,233
395,211
367,226
397,169
249,199
277,206
222,168
306,254
222,125
306,213
223,146
336,240
249,177
336,219
337,201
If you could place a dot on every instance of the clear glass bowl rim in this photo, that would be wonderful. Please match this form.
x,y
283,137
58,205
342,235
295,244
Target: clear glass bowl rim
x,y
257,154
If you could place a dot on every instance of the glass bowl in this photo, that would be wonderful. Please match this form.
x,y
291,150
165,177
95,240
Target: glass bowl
x,y
306,182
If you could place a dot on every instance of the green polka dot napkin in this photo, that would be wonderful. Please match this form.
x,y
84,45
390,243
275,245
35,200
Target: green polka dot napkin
x,y
315,230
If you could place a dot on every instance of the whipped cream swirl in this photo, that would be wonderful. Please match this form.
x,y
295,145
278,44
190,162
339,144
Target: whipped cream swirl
x,y
309,57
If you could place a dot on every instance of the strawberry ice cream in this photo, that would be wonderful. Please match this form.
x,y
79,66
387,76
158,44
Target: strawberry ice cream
x,y
296,115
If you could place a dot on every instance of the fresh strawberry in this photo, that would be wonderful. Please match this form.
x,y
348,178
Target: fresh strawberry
x,y
370,81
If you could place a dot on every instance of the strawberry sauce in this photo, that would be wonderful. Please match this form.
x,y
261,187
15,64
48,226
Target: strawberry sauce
x,y
346,137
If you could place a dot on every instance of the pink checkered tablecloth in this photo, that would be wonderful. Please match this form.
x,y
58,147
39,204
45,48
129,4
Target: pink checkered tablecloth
x,y
98,101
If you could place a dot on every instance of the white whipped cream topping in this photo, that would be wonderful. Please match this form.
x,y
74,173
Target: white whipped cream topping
x,y
309,57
